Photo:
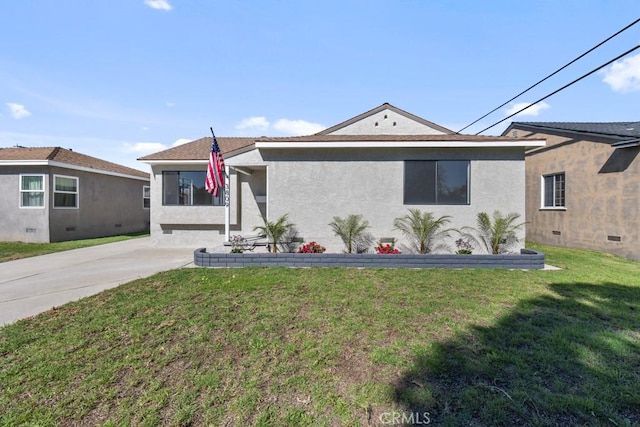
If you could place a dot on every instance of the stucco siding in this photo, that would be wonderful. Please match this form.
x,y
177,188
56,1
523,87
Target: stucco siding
x,y
387,122
314,186
17,224
107,205
602,196
188,226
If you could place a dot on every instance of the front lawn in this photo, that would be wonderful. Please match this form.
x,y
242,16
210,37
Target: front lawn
x,y
10,251
281,346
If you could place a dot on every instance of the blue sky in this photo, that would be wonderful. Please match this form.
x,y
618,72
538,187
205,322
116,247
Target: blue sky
x,y
120,79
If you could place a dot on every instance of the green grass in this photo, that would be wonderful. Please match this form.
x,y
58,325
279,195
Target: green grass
x,y
10,251
290,347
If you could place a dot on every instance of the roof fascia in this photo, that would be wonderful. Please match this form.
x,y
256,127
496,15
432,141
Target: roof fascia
x,y
68,166
627,144
517,125
404,144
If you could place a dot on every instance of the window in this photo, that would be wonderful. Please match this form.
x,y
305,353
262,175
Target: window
x,y
187,188
65,192
32,191
436,182
553,189
146,197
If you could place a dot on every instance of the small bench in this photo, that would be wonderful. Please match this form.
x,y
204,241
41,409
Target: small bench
x,y
252,242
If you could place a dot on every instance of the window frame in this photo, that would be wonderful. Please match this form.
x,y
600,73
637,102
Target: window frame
x,y
543,192
43,191
436,191
76,193
146,197
220,199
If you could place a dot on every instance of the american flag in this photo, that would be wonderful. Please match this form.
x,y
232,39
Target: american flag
x,y
215,169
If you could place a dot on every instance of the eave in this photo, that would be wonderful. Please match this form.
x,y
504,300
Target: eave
x,y
402,144
53,163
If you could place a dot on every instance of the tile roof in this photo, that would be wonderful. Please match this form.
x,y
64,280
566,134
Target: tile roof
x,y
200,149
612,129
62,155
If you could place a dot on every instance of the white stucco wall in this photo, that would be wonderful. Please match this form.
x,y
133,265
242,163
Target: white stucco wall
x,y
387,122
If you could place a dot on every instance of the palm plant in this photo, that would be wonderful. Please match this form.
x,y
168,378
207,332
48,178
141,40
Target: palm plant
x,y
496,233
352,232
275,231
422,229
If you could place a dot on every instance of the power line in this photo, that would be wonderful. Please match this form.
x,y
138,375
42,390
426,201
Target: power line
x,y
552,74
562,88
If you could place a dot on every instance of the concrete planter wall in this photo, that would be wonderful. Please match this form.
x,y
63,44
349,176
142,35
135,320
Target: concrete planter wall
x,y
527,259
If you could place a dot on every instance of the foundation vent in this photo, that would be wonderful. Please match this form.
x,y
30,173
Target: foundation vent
x,y
71,229
30,230
614,238
556,232
118,225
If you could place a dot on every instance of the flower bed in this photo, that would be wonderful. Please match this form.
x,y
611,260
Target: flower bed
x,y
526,259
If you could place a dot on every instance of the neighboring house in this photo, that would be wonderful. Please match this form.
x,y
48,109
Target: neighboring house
x,y
583,188
378,164
52,194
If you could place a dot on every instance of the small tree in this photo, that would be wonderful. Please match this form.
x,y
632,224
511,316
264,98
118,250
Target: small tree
x,y
352,231
275,231
422,229
496,233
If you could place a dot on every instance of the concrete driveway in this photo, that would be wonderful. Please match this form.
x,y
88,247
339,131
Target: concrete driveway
x,y
32,285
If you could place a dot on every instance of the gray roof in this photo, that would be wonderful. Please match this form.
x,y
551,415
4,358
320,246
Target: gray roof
x,y
611,129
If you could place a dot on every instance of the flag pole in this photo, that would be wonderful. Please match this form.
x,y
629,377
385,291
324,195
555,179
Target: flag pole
x,y
227,208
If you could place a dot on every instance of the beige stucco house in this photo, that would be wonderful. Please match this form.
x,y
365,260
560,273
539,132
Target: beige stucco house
x,y
51,194
583,188
377,164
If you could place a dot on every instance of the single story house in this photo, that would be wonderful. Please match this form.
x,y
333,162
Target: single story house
x,y
52,194
378,164
583,188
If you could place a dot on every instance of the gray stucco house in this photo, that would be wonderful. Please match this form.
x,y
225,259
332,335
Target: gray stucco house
x,y
583,188
51,194
378,164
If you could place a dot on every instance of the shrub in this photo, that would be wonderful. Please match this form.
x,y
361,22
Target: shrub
x,y
276,230
464,247
352,231
389,248
496,234
312,248
422,229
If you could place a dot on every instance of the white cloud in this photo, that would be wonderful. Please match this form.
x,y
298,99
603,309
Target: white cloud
x,y
297,127
158,4
532,110
170,104
17,111
144,128
181,141
624,76
143,147
258,122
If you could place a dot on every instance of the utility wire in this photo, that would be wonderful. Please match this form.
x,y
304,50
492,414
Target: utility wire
x,y
552,74
562,88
